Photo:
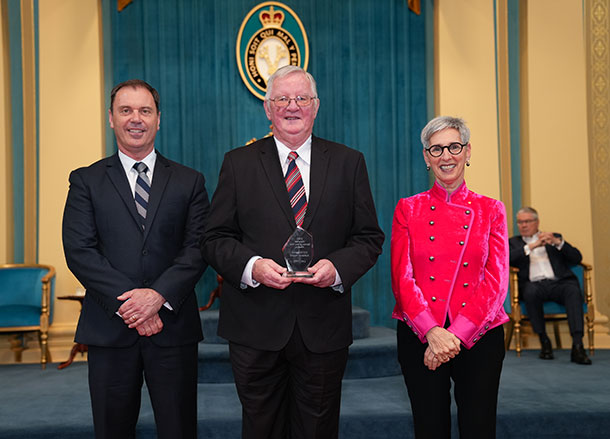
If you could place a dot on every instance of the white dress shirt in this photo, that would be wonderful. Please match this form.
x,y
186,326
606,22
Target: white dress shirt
x,y
540,264
132,174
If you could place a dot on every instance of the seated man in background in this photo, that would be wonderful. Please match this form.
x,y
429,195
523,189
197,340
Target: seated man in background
x,y
544,261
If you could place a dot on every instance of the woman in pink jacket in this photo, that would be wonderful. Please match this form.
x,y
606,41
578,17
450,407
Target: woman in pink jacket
x,y
450,278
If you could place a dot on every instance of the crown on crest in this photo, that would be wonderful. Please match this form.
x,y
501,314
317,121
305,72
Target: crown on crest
x,y
271,17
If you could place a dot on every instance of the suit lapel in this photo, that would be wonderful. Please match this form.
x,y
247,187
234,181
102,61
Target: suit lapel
x,y
160,178
271,164
317,178
117,176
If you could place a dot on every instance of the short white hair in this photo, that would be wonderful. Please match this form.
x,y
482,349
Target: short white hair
x,y
289,70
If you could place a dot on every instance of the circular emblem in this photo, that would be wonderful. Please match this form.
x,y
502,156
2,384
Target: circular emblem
x,y
271,36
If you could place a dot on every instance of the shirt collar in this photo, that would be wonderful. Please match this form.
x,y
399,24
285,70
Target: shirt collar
x,y
128,162
304,151
532,238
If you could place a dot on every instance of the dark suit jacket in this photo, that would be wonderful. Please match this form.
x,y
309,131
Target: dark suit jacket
x,y
109,253
251,215
561,260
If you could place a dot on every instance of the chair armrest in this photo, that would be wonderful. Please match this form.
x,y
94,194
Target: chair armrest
x,y
588,285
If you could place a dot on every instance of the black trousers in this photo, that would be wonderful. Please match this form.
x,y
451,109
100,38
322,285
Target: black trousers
x,y
475,373
288,394
115,384
563,291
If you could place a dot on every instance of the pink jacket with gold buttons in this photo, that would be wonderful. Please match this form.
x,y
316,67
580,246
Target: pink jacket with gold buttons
x,y
450,259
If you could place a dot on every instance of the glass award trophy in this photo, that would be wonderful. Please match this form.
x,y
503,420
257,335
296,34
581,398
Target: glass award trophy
x,y
298,253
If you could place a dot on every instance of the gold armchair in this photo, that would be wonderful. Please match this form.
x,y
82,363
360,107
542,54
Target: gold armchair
x,y
26,304
553,312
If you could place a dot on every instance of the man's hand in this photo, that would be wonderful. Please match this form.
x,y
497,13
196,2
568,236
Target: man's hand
x,y
149,327
324,274
269,273
443,344
548,238
140,305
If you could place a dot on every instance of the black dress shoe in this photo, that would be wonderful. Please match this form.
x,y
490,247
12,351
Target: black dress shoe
x,y
579,356
546,351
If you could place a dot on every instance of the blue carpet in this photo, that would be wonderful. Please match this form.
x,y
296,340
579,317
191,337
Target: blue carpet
x,y
538,399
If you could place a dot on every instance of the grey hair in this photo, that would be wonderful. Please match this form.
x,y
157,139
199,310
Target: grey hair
x,y
527,209
441,123
288,70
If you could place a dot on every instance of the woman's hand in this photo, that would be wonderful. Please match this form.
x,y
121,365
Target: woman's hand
x,y
443,344
430,360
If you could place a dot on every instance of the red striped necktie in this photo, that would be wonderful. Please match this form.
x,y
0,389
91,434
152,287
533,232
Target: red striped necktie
x,y
296,190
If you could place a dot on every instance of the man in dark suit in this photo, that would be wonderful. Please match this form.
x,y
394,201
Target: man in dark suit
x,y
139,260
544,261
289,337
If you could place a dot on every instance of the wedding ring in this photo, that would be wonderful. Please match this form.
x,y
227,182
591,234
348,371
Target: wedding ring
x,y
134,318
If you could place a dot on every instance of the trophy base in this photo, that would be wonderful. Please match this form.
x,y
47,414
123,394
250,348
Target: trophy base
x,y
298,274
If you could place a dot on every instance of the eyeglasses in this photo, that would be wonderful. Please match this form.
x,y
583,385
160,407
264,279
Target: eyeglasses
x,y
527,221
301,101
454,149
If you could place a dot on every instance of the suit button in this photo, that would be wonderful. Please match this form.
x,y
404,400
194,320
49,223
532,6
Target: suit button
x,y
467,211
432,277
474,340
431,258
431,223
463,304
433,298
465,284
480,334
144,252
432,207
146,283
415,332
486,327
432,238
461,242
465,264
465,227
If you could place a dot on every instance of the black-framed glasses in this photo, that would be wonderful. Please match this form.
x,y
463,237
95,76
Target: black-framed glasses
x,y
526,221
454,149
301,101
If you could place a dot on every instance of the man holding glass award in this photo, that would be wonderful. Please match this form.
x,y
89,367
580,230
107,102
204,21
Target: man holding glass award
x,y
292,227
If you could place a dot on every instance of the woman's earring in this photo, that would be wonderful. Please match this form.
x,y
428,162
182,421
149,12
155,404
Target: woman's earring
x,y
427,168
468,163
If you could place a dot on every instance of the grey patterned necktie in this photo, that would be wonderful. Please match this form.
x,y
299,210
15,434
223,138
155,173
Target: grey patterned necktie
x,y
142,190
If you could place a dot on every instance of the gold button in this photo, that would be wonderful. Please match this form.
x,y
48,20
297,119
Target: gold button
x,y
431,258
431,223
433,298
474,340
465,264
432,238
463,304
465,284
465,227
461,242
467,211
432,207
431,277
